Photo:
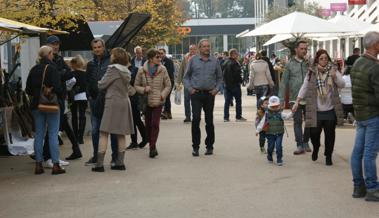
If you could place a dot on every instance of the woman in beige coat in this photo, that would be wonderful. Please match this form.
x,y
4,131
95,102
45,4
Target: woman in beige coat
x,y
117,118
260,77
153,81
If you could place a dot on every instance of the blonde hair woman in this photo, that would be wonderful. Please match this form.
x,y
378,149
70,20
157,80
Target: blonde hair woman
x,y
78,106
43,120
117,118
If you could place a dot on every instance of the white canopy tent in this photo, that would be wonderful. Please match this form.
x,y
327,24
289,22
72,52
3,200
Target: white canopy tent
x,y
296,23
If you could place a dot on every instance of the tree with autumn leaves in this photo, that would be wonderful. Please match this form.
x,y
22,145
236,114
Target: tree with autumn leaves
x,y
162,28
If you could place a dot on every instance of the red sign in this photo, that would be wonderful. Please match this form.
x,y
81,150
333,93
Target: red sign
x,y
324,12
338,7
184,30
357,2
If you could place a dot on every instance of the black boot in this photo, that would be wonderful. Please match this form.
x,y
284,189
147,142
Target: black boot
x,y
99,167
119,162
359,191
328,161
76,153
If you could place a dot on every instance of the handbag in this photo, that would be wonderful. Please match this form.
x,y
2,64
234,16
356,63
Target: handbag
x,y
48,101
142,99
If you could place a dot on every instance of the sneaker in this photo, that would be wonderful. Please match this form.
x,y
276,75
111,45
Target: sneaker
x,y
372,195
90,162
226,120
279,163
263,150
269,158
49,163
195,152
359,191
241,119
307,148
299,151
209,151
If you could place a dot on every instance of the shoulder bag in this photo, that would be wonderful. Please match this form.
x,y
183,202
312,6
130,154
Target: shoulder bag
x,y
48,101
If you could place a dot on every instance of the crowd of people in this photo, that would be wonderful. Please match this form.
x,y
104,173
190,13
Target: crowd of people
x,y
121,89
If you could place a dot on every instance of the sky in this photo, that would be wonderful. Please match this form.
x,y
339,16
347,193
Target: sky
x,y
326,3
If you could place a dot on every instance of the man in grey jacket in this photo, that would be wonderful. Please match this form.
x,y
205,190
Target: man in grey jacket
x,y
203,79
293,77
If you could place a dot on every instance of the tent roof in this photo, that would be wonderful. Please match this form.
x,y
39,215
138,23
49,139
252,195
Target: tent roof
x,y
15,26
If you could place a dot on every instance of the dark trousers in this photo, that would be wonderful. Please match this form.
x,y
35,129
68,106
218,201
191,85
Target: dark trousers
x,y
152,120
167,104
78,108
262,139
261,91
202,100
230,93
329,127
187,104
347,108
137,122
302,138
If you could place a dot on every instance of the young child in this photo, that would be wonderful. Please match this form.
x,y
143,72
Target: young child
x,y
262,108
273,125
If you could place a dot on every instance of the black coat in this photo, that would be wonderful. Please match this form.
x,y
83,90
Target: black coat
x,y
169,64
95,71
232,73
134,70
271,68
34,81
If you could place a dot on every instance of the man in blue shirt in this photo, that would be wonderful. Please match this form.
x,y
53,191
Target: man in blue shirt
x,y
203,79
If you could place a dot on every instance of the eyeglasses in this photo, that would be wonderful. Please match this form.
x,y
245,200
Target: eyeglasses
x,y
158,57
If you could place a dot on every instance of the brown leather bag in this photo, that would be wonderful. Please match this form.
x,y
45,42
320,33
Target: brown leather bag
x,y
48,101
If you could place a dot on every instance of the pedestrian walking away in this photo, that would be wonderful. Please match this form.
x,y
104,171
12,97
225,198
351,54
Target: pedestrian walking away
x,y
203,79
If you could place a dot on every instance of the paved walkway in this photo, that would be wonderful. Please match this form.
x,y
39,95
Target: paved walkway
x,y
236,181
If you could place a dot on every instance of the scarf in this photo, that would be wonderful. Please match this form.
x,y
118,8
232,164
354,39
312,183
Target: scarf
x,y
324,81
152,70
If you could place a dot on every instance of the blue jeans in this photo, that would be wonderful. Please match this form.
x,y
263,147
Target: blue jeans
x,y
230,93
41,121
95,122
187,104
302,138
366,148
275,141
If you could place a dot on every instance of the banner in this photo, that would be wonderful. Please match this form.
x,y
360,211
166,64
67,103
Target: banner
x,y
357,2
324,12
338,7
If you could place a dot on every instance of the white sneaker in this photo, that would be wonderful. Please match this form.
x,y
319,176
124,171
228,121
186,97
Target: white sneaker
x,y
49,163
63,163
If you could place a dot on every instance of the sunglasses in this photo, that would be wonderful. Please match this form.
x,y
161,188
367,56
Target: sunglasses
x,y
157,56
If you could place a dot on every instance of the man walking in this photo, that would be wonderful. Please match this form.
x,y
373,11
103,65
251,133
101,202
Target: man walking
x,y
365,91
182,69
293,78
137,62
95,71
169,64
232,81
203,80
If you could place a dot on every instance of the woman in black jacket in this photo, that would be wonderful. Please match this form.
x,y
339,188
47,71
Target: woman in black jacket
x,y
79,97
43,120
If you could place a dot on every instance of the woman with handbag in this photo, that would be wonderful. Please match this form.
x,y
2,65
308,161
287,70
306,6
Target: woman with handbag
x,y
153,81
117,118
43,84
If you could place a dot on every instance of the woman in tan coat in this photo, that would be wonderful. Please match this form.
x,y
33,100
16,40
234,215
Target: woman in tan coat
x,y
260,77
153,81
117,118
